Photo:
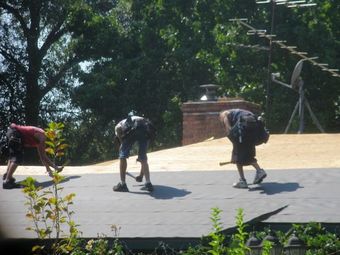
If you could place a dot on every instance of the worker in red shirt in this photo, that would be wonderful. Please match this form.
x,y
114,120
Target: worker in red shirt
x,y
19,137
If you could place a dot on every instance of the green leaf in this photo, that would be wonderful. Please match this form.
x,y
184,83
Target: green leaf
x,y
53,201
29,215
49,151
69,197
37,248
60,154
62,146
50,144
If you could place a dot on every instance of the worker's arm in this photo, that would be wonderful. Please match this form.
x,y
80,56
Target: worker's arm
x,y
225,122
45,160
119,133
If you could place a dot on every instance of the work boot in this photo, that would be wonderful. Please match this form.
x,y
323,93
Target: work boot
x,y
4,178
120,187
148,186
11,185
259,176
241,184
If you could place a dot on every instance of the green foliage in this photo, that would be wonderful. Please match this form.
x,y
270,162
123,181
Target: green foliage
x,y
217,245
238,240
48,211
99,246
318,240
92,140
151,56
266,247
169,135
196,250
55,142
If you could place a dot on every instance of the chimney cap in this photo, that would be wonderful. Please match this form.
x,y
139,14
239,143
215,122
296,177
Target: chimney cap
x,y
209,86
210,92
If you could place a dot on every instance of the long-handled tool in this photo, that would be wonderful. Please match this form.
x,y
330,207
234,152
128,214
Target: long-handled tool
x,y
137,178
131,175
225,163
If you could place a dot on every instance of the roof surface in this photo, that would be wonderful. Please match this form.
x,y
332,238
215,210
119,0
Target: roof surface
x,y
303,178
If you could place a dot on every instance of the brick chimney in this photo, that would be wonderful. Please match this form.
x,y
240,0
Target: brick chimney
x,y
200,119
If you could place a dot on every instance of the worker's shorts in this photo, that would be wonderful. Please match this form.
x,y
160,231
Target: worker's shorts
x,y
126,146
243,154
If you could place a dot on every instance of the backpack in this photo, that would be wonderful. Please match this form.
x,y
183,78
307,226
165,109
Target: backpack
x,y
128,127
138,129
262,133
150,129
249,129
14,139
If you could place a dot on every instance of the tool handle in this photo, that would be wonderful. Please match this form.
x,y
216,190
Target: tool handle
x,y
131,175
225,163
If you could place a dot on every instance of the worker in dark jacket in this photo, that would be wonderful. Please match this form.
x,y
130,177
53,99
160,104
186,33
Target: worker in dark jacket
x,y
242,128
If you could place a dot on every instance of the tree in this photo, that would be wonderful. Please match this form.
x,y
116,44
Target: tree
x,y
41,41
169,49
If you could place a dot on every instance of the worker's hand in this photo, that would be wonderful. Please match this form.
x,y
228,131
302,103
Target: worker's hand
x,y
50,172
116,143
139,178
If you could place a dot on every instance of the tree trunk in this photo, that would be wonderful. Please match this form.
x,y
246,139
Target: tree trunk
x,y
32,105
31,110
32,100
